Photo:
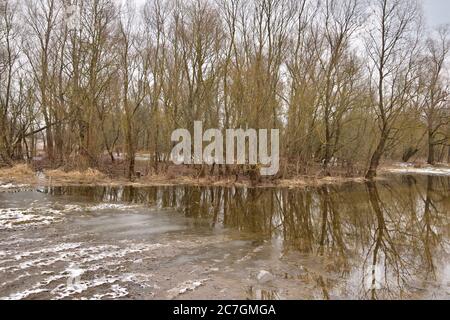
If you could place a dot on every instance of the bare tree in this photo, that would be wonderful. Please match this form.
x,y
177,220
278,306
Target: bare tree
x,y
341,21
391,46
134,66
434,90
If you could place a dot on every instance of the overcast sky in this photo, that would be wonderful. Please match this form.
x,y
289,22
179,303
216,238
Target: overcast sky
x,y
437,11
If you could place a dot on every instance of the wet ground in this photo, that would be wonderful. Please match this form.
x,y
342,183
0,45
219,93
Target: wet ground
x,y
388,240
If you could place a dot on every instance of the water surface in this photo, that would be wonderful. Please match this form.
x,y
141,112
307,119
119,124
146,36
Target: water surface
x,y
388,240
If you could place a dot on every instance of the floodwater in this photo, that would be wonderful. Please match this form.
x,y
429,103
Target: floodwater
x,y
388,240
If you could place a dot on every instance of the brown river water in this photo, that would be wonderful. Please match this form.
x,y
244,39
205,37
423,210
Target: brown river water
x,y
388,240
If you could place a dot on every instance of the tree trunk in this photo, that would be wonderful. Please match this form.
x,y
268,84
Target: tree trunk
x,y
5,153
376,157
448,155
130,150
6,159
59,144
49,138
431,151
131,166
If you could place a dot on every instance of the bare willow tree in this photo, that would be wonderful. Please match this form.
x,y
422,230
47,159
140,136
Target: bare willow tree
x,y
17,113
338,71
133,68
8,61
42,18
391,45
302,98
434,90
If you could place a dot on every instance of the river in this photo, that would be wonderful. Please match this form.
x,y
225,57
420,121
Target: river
x,y
384,240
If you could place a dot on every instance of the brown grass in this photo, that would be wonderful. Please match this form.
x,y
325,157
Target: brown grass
x,y
87,176
299,182
24,174
317,181
20,173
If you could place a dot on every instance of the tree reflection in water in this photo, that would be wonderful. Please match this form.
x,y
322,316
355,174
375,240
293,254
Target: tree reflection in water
x,y
374,241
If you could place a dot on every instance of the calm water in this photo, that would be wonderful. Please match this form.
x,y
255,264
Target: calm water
x,y
388,240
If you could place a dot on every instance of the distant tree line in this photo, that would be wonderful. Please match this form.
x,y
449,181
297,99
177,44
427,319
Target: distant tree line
x,y
348,82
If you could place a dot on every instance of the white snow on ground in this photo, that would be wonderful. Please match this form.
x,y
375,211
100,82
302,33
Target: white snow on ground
x,y
18,218
25,294
111,206
12,186
410,169
21,218
103,206
76,278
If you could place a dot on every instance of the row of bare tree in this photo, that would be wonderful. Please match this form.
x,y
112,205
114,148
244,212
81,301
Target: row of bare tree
x,y
348,82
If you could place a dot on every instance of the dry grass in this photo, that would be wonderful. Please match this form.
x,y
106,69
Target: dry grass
x,y
317,181
20,173
18,170
23,174
87,176
299,182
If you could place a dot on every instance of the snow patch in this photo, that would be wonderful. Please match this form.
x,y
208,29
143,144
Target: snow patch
x,y
117,292
23,295
264,277
12,218
99,207
109,285
187,286
9,186
20,218
431,171
111,206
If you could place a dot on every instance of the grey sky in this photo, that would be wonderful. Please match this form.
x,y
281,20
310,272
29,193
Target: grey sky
x,y
437,11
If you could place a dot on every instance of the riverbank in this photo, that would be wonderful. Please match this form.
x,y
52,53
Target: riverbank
x,y
22,175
